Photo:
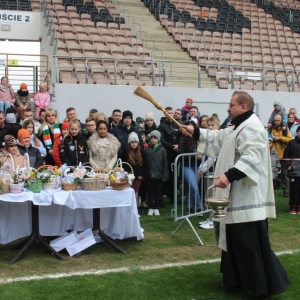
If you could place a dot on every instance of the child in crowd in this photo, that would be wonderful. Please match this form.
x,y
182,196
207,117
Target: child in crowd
x,y
41,99
275,162
134,156
22,99
186,109
57,143
206,166
34,141
73,149
278,110
10,152
11,122
140,124
156,166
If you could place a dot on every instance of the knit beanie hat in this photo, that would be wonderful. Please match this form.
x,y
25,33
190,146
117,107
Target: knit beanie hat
x,y
133,137
149,116
139,120
23,134
155,133
127,113
11,118
298,128
190,100
9,141
65,125
23,86
277,103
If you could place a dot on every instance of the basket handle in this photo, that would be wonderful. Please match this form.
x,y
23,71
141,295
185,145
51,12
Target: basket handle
x,y
12,160
128,164
119,163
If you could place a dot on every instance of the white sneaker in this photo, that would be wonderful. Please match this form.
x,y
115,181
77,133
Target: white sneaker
x,y
156,212
209,225
150,212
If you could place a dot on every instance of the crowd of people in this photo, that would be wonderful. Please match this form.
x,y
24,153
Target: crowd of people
x,y
239,154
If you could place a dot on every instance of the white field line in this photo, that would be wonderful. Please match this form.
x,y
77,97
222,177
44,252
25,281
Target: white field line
x,y
125,269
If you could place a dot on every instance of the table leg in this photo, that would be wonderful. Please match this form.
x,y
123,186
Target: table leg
x,y
106,238
35,234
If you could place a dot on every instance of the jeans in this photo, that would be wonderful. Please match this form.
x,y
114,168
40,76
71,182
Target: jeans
x,y
4,105
191,187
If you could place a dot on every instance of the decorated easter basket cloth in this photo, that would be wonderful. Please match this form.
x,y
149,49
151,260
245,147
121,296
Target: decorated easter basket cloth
x,y
68,185
95,181
119,179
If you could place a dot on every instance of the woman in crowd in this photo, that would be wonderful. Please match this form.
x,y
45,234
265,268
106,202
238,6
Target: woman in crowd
x,y
149,124
34,141
22,99
292,124
50,131
103,148
24,146
10,152
202,121
7,95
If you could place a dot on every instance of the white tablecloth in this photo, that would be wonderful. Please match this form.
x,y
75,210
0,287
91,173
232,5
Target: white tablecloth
x,y
63,210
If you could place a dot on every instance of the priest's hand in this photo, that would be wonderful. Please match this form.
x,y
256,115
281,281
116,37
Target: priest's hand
x,y
222,181
187,130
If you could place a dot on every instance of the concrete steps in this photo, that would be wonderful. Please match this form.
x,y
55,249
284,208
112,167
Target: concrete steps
x,y
180,68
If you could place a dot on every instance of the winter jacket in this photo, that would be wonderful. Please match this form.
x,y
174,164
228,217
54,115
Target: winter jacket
x,y
7,94
293,128
148,131
74,150
292,150
35,158
41,147
22,98
121,133
280,145
137,170
56,152
42,100
169,137
13,128
275,163
188,145
103,154
156,163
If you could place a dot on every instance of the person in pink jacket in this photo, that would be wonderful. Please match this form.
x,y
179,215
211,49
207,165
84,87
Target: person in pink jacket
x,y
41,99
7,95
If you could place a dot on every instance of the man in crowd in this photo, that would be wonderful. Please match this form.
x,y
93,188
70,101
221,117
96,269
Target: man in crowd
x,y
71,114
28,115
115,118
169,139
243,175
3,129
122,131
92,112
194,114
178,115
280,141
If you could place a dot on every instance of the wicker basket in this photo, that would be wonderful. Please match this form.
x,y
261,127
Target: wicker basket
x,y
16,188
4,185
119,185
93,184
69,186
35,187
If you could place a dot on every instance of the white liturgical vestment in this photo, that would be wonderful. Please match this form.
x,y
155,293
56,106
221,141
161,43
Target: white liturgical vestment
x,y
246,149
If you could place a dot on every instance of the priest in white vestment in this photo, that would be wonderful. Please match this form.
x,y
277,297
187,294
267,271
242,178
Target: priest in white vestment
x,y
243,173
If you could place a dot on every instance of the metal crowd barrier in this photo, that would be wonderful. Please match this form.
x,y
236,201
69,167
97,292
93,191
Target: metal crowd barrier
x,y
183,190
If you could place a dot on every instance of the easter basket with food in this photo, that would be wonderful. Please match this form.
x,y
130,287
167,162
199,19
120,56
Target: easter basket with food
x,y
119,179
